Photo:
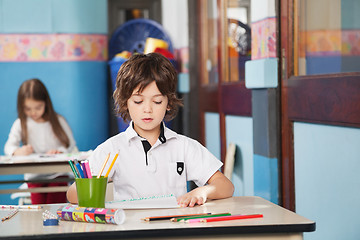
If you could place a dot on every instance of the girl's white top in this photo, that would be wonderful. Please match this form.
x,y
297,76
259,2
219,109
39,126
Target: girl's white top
x,y
42,138
169,165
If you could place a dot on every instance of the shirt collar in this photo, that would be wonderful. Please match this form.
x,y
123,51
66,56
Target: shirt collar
x,y
132,134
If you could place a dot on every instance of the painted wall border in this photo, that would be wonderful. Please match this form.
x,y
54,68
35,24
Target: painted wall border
x,y
53,47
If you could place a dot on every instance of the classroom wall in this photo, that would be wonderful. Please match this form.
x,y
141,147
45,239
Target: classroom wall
x,y
261,77
63,43
327,179
212,133
239,132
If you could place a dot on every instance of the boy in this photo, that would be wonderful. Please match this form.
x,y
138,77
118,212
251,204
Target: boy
x,y
153,160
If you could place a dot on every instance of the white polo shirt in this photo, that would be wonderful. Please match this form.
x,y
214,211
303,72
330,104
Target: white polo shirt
x,y
166,170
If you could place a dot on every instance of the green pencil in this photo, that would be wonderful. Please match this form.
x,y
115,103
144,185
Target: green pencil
x,y
73,169
183,219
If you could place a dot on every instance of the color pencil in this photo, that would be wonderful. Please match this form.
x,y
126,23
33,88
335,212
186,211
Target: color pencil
x,y
78,166
171,217
20,206
197,218
87,169
11,214
112,164
232,217
73,169
103,166
84,169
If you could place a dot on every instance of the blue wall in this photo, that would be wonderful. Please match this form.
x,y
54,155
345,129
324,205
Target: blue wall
x,y
212,133
327,179
53,16
238,131
78,92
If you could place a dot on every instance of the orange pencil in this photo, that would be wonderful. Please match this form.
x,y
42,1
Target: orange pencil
x,y
103,166
112,164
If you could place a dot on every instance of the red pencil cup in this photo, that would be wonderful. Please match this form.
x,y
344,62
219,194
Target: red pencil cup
x,y
91,191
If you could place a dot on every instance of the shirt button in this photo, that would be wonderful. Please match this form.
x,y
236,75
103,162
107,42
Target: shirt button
x,y
180,169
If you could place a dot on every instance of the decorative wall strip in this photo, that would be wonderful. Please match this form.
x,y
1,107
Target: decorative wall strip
x,y
330,43
263,39
53,47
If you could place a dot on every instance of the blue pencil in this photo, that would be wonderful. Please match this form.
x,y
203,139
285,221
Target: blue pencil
x,y
77,164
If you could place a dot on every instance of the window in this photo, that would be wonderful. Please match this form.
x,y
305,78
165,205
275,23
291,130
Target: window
x,y
327,38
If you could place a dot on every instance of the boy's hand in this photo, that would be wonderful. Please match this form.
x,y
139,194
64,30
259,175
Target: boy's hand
x,y
24,150
197,196
218,187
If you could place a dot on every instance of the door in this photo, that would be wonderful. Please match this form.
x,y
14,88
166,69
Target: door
x,y
320,72
224,46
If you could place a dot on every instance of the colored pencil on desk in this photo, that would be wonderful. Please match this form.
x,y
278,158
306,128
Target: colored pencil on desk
x,y
103,166
84,169
189,219
78,166
20,207
232,217
112,164
147,219
73,169
11,214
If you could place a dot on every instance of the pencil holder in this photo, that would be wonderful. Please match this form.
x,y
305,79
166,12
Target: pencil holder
x,y
91,191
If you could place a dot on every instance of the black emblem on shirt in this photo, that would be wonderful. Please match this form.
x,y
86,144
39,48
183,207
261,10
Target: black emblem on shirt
x,y
180,167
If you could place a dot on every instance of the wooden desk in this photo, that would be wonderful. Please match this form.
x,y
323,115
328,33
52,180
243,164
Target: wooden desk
x,y
277,223
37,164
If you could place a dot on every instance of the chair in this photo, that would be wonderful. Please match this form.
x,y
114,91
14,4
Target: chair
x,y
24,197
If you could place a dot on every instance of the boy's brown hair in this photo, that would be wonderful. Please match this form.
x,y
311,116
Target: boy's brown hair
x,y
141,70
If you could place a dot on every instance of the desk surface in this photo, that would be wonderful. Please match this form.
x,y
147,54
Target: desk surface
x,y
28,223
38,164
42,158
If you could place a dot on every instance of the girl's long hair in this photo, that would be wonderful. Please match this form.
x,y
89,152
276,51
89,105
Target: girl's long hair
x,y
35,89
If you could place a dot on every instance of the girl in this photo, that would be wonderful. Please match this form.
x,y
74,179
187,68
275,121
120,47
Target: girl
x,y
153,160
40,130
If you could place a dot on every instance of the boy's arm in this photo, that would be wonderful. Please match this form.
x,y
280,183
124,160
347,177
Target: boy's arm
x,y
218,187
71,194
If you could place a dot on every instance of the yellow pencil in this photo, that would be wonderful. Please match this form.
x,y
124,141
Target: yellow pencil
x,y
112,164
103,166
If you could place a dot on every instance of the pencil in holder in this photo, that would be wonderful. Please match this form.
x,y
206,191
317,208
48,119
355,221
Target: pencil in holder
x,y
91,191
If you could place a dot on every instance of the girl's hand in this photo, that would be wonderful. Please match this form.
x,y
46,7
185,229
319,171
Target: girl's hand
x,y
53,151
24,150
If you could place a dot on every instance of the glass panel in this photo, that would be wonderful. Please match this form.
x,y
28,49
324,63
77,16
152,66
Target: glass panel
x,y
211,41
327,36
239,38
